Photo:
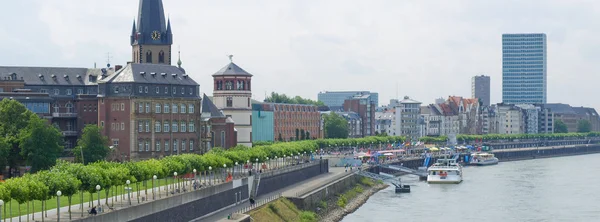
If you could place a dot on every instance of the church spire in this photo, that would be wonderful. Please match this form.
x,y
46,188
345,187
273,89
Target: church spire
x,y
133,33
168,26
179,59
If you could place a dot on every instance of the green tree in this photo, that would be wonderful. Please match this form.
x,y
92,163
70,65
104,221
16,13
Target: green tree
x,y
302,134
41,144
308,135
584,126
92,144
14,117
336,126
297,134
560,127
282,98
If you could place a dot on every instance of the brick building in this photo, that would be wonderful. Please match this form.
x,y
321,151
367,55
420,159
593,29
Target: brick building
x,y
365,108
218,130
287,118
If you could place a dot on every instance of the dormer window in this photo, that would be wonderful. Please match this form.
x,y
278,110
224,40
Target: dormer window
x,y
53,76
153,74
41,76
66,77
174,75
142,73
78,77
185,76
163,74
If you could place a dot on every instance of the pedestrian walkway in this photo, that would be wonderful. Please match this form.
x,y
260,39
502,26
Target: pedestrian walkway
x,y
123,201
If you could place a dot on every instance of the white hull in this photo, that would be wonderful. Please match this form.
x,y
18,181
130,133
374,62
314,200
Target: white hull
x,y
437,179
485,162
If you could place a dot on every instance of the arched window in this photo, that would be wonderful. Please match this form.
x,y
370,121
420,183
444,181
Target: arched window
x,y
228,85
69,107
161,57
157,126
149,56
229,101
183,127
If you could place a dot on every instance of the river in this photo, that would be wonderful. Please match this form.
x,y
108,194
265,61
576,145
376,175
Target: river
x,y
553,189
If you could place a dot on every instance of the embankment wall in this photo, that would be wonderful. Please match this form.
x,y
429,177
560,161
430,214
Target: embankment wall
x,y
312,200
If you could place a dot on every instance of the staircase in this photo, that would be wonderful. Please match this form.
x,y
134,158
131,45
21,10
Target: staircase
x,y
255,184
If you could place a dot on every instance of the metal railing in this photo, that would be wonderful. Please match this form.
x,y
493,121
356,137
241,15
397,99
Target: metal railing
x,y
64,115
320,186
258,204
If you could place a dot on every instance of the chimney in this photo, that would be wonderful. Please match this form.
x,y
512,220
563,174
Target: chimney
x,y
118,67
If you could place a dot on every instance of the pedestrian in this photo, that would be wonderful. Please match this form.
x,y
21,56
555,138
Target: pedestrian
x,y
93,211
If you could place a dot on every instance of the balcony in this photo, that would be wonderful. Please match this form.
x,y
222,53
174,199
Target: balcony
x,y
64,115
69,133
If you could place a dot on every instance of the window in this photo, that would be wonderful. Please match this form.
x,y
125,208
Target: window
x,y
166,107
140,128
69,107
191,145
145,89
147,107
122,106
183,127
102,101
174,109
147,146
182,90
167,145
115,142
174,128
140,146
248,102
140,107
157,108
223,139
56,91
166,90
69,92
166,127
157,146
43,90
149,57
175,142
112,126
157,90
56,107
191,91
183,142
229,101
157,126
147,126
122,126
191,108
174,92
102,123
79,91
140,89
182,109
191,127
161,57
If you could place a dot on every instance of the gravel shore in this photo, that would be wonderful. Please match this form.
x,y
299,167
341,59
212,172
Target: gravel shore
x,y
338,214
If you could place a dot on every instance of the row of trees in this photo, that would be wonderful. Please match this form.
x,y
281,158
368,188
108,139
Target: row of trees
x,y
335,126
282,98
510,137
73,178
583,126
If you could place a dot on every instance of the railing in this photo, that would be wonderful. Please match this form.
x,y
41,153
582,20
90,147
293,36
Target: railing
x,y
258,204
333,179
64,115
289,168
69,133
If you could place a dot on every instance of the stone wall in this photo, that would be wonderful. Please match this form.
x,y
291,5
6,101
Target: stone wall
x,y
276,182
181,207
311,200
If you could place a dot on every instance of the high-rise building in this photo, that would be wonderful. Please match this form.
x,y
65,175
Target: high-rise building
x,y
524,68
480,89
335,100
365,108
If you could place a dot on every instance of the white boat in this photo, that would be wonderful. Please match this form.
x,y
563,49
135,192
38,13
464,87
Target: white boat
x,y
445,171
482,159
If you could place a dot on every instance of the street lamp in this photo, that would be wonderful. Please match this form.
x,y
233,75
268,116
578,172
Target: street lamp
x,y
128,188
209,174
98,191
2,204
195,179
236,165
276,162
153,178
225,167
268,162
58,194
175,188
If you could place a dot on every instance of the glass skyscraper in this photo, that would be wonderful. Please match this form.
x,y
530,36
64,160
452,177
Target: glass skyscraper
x,y
524,68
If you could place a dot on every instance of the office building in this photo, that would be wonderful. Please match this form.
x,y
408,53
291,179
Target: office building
x,y
335,99
480,89
524,68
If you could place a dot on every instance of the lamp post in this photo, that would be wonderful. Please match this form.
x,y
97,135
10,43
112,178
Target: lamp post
x,y
249,168
58,194
98,191
175,187
236,165
257,165
209,174
268,162
153,178
2,204
225,167
128,188
194,176
283,160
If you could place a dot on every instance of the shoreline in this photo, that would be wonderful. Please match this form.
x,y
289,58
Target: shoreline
x,y
545,156
338,214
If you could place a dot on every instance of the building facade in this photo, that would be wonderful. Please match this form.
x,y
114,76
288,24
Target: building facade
x,y
335,99
289,122
263,124
364,106
232,93
217,130
524,68
480,89
407,118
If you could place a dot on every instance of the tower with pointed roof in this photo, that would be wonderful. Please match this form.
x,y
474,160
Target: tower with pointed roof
x,y
151,36
233,94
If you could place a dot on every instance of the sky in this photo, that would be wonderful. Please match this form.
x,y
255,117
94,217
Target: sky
x,y
421,49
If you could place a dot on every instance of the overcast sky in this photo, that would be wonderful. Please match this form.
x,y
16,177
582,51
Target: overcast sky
x,y
430,49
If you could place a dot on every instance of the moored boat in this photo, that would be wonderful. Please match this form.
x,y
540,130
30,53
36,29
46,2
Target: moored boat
x,y
445,171
483,159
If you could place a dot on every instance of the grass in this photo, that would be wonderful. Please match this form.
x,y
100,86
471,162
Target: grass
x,y
282,210
349,195
64,201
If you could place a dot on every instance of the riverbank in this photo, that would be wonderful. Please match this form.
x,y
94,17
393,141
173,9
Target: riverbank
x,y
338,213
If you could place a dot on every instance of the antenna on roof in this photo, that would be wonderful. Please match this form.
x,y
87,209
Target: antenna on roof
x,y
230,58
108,59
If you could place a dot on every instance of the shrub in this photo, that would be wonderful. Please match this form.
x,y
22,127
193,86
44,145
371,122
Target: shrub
x,y
342,201
273,208
367,182
307,216
323,204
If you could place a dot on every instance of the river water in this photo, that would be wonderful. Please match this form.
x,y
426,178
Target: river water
x,y
553,189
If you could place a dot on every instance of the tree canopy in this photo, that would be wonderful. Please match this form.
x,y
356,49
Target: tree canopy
x,y
560,126
92,144
282,98
41,144
584,126
336,126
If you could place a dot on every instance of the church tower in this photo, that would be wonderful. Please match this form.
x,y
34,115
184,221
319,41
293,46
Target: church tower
x,y
151,37
232,93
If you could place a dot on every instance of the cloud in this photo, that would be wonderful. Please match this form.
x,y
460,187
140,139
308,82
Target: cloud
x,y
430,48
